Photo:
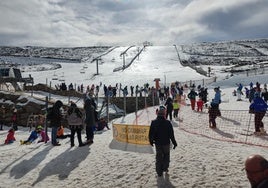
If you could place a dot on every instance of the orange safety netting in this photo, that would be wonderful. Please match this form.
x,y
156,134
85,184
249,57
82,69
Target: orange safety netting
x,y
233,126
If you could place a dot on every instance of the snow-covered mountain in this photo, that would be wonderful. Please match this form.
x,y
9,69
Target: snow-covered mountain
x,y
242,52
117,64
76,53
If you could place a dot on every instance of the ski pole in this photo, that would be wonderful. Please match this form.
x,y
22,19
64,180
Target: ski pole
x,y
248,127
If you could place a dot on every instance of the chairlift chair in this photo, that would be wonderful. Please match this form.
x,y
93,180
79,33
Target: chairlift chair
x,y
55,77
62,78
82,71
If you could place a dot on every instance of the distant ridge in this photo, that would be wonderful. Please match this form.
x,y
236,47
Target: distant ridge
x,y
240,52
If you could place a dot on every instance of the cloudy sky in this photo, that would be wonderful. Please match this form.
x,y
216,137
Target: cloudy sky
x,y
69,23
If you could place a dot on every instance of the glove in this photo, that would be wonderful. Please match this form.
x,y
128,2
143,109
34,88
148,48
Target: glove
x,y
175,145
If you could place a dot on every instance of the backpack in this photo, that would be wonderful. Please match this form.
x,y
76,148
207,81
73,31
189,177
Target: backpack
x,y
191,95
73,119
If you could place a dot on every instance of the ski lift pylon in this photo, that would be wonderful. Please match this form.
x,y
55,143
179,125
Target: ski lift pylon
x,y
54,77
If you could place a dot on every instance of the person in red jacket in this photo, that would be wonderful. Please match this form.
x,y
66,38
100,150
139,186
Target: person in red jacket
x,y
10,136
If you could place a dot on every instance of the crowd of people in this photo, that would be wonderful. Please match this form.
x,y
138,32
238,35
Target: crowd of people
x,y
256,95
171,96
198,97
161,134
111,91
76,121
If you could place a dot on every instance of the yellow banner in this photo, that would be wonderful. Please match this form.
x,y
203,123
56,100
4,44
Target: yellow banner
x,y
134,134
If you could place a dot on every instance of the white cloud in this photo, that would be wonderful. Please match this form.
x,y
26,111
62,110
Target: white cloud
x,y
110,22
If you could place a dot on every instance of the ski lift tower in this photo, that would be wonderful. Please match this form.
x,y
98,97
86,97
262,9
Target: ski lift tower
x,y
97,59
124,59
124,53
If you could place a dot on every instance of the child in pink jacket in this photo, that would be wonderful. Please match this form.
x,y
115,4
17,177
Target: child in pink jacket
x,y
43,136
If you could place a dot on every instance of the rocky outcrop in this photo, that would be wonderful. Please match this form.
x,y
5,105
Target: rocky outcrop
x,y
23,106
26,106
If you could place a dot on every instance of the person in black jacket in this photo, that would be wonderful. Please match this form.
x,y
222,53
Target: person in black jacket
x,y
169,105
55,121
90,120
160,134
192,96
256,167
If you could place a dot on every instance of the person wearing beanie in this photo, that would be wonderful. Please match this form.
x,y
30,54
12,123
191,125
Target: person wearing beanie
x,y
259,108
43,135
160,134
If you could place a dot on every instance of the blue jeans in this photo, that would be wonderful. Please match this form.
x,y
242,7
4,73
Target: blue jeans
x,y
54,135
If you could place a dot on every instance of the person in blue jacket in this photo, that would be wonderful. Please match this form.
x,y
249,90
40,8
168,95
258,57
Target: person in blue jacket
x,y
259,108
217,98
33,136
